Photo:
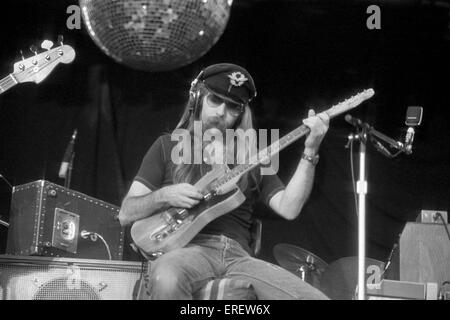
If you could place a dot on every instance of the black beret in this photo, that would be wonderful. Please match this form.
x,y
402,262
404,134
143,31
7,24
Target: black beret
x,y
230,82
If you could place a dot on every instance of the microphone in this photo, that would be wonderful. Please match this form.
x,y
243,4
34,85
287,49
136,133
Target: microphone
x,y
413,119
409,140
67,155
355,121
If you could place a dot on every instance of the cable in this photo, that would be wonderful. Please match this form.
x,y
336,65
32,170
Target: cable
x,y
4,223
353,177
6,180
382,149
106,245
443,223
93,236
388,264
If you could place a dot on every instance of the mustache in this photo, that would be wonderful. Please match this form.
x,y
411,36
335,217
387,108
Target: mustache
x,y
215,122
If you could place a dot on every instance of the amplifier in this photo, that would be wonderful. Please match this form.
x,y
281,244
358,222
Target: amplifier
x,y
423,254
401,290
49,220
45,278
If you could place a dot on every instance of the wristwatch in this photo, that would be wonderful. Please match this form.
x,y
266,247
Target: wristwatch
x,y
314,160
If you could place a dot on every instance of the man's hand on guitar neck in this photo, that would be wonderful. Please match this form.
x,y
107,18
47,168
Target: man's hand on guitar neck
x,y
319,125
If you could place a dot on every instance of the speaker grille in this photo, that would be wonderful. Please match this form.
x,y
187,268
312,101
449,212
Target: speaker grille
x,y
60,289
41,278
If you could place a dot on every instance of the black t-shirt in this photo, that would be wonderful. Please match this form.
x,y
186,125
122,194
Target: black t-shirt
x,y
156,171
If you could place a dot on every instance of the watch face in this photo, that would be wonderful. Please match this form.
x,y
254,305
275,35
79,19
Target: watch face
x,y
313,160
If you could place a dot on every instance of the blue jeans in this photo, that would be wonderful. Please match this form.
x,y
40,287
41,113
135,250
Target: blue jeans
x,y
181,272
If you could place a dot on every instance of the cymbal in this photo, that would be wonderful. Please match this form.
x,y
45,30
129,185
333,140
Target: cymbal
x,y
296,259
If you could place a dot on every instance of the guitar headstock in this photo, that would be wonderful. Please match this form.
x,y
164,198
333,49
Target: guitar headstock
x,y
36,68
351,102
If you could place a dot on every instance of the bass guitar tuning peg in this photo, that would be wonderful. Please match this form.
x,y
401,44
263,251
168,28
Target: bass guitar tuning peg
x,y
47,45
33,49
60,40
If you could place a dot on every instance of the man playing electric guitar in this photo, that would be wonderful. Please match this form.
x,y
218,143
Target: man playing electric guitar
x,y
219,99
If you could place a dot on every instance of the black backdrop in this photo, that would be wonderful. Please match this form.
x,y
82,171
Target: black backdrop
x,y
300,54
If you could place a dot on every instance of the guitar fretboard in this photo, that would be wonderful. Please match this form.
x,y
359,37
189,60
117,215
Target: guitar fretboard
x,y
7,83
265,154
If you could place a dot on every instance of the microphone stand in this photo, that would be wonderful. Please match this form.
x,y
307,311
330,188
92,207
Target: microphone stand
x,y
361,189
364,131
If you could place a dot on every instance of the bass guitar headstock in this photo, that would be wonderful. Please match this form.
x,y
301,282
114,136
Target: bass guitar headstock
x,y
36,68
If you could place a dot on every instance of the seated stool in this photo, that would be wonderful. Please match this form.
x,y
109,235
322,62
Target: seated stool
x,y
226,289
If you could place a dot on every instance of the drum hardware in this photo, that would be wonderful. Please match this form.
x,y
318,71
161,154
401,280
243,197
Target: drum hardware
x,y
301,262
340,278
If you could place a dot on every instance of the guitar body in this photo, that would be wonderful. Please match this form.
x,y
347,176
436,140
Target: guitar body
x,y
155,235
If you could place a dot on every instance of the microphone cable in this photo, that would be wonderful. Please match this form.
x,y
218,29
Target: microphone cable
x,y
353,177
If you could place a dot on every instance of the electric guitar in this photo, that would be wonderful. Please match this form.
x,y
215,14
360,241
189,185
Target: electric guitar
x,y
175,227
38,67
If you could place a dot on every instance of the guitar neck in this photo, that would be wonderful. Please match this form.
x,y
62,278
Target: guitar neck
x,y
7,83
264,155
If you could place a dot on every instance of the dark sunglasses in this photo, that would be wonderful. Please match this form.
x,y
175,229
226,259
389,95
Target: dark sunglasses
x,y
215,101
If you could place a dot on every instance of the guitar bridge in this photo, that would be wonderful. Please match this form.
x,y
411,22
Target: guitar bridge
x,y
165,230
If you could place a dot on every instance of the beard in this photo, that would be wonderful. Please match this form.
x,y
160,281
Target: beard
x,y
215,123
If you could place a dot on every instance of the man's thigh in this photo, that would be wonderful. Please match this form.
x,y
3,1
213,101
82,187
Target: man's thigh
x,y
273,282
191,263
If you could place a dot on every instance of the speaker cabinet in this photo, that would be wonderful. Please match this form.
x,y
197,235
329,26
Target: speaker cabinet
x,y
423,254
52,221
45,278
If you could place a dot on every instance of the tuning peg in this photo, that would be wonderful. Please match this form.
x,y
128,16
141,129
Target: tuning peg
x,y
47,45
21,66
60,39
33,49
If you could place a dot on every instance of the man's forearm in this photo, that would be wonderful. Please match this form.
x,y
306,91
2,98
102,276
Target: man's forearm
x,y
139,207
298,190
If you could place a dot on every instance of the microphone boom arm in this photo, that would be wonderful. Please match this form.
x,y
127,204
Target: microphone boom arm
x,y
395,144
369,131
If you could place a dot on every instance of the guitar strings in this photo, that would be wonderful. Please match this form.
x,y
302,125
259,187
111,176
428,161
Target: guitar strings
x,y
7,83
282,143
